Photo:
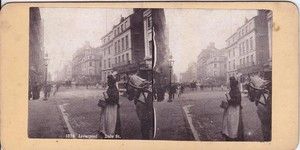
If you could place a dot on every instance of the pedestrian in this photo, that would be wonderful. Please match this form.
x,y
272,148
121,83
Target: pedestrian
x,y
35,91
232,127
172,91
110,123
56,87
181,90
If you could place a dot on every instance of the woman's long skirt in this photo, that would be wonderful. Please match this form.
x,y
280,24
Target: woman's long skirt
x,y
110,124
233,123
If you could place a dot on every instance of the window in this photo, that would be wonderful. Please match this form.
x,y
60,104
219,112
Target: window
x,y
108,62
119,58
116,51
215,65
240,61
215,73
240,46
116,61
244,49
104,52
119,30
229,53
149,21
251,43
151,48
243,61
247,45
123,60
122,27
91,63
233,64
104,63
115,33
233,52
127,57
247,59
126,41
123,44
229,66
119,46
252,61
108,50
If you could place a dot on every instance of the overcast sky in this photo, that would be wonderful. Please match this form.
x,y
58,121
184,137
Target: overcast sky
x,y
190,30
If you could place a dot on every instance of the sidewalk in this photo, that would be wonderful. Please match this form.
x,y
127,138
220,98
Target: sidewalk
x,y
45,120
171,123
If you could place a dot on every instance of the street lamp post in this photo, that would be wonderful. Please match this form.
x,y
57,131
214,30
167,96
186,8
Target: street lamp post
x,y
46,75
171,61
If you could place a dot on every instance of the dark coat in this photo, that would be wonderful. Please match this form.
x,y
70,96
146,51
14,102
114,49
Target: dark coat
x,y
236,97
112,92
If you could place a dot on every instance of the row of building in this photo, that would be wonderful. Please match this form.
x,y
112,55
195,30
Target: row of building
x,y
248,51
37,55
127,48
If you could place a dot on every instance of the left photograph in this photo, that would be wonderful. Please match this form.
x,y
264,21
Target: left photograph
x,y
91,72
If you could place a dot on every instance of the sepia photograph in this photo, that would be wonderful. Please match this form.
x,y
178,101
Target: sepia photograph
x,y
150,74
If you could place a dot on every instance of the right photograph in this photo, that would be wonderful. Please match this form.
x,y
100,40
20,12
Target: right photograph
x,y
221,67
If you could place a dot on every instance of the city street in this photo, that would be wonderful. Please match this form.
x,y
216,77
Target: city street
x,y
206,115
77,112
196,115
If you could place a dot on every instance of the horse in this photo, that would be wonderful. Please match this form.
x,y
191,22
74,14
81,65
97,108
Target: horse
x,y
140,91
260,92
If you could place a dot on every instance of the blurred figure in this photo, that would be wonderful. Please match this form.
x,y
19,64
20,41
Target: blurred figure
x,y
181,90
35,91
172,91
47,91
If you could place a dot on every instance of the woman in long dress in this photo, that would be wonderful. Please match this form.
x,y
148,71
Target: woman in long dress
x,y
232,128
110,125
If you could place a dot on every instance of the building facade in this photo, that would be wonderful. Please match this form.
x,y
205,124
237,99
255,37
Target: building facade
x,y
85,64
248,48
123,46
190,75
37,62
65,74
270,27
211,66
156,41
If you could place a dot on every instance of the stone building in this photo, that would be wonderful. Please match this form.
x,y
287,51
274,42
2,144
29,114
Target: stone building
x,y
190,74
37,63
85,63
211,66
65,74
123,46
248,49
